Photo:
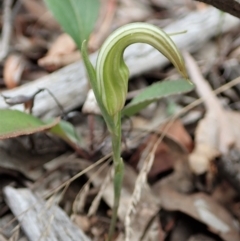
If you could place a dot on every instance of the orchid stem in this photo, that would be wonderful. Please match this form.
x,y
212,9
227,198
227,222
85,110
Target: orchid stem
x,y
118,173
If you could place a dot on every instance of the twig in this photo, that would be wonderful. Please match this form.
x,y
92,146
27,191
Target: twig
x,y
6,29
229,6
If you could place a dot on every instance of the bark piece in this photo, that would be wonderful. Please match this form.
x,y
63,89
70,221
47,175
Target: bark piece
x,y
40,220
229,6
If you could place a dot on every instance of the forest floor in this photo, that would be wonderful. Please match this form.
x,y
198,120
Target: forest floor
x,y
186,189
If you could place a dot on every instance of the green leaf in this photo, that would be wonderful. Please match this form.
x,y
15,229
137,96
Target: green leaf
x,y
77,17
15,123
66,131
156,92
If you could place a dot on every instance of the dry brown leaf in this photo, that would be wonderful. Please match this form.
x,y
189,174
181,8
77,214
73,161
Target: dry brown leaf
x,y
39,10
178,133
2,238
54,62
218,132
82,222
62,40
13,69
132,11
235,54
201,207
206,148
103,25
59,56
177,140
201,6
200,237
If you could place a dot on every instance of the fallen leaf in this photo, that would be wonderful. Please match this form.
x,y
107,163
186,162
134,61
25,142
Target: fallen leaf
x,y
132,11
82,222
58,56
54,62
218,132
178,133
103,25
13,69
39,10
200,237
57,46
201,207
176,141
206,145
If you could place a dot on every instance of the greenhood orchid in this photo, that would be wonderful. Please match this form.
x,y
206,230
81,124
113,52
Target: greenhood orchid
x,y
109,81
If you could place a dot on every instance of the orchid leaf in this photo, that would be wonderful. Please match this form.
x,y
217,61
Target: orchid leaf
x,y
77,17
15,123
66,131
155,92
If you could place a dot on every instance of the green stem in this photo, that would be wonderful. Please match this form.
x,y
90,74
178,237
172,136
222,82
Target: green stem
x,y
119,171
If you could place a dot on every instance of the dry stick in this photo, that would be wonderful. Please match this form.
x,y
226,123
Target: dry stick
x,y
7,29
103,25
80,200
48,205
95,203
51,200
75,208
201,100
77,176
139,184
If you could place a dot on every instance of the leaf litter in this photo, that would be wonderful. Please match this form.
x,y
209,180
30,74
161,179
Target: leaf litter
x,y
181,178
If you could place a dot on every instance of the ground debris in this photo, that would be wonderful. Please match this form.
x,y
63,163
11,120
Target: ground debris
x,y
40,219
